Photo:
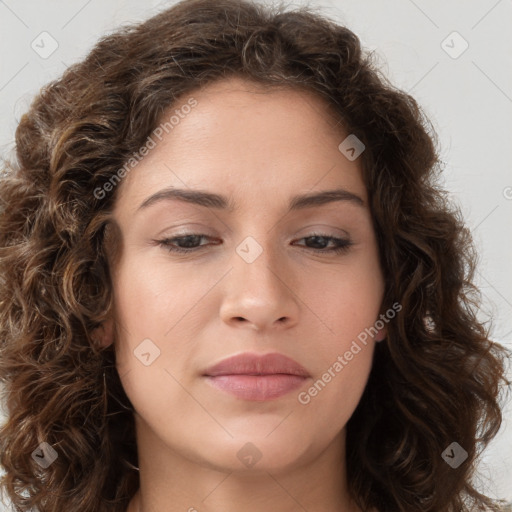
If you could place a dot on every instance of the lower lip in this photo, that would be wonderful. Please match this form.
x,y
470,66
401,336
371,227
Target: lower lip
x,y
257,387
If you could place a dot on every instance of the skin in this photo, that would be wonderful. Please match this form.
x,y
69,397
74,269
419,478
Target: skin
x,y
258,148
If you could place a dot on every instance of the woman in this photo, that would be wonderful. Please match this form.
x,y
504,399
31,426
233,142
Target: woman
x,y
231,282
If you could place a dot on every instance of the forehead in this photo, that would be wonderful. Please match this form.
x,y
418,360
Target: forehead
x,y
243,102
246,140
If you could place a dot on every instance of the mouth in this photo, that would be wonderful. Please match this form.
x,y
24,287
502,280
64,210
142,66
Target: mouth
x,y
251,376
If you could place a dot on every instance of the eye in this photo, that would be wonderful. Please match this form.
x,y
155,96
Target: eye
x,y
341,245
189,240
189,243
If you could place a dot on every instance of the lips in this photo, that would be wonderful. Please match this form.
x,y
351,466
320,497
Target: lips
x,y
257,377
254,364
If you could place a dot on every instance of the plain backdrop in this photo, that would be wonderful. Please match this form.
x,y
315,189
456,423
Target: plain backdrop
x,y
454,57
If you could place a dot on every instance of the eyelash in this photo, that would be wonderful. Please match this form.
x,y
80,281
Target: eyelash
x,y
166,244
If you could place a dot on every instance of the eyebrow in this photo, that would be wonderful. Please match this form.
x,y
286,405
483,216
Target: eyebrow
x,y
220,202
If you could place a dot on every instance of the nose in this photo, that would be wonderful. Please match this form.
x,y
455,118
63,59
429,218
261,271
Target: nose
x,y
261,294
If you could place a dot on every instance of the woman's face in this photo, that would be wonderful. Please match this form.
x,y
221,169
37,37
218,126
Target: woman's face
x,y
259,283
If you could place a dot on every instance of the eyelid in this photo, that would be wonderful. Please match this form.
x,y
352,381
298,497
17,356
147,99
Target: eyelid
x,y
344,243
324,228
200,229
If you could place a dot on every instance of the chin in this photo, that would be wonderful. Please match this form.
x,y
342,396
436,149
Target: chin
x,y
257,453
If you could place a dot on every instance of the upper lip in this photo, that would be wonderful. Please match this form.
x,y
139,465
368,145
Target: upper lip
x,y
257,364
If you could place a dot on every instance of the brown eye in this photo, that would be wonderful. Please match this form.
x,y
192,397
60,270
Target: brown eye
x,y
190,242
341,244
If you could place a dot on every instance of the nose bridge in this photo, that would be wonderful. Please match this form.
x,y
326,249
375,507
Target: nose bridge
x,y
257,252
257,263
258,289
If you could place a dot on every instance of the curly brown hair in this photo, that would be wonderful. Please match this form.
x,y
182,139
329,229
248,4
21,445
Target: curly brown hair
x,y
437,378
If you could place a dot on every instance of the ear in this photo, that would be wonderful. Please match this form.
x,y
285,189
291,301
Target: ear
x,y
104,334
381,334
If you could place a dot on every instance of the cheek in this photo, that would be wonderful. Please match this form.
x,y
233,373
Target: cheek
x,y
331,399
157,322
149,298
347,302
147,308
142,312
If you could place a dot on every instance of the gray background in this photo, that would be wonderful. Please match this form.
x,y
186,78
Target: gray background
x,y
467,95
